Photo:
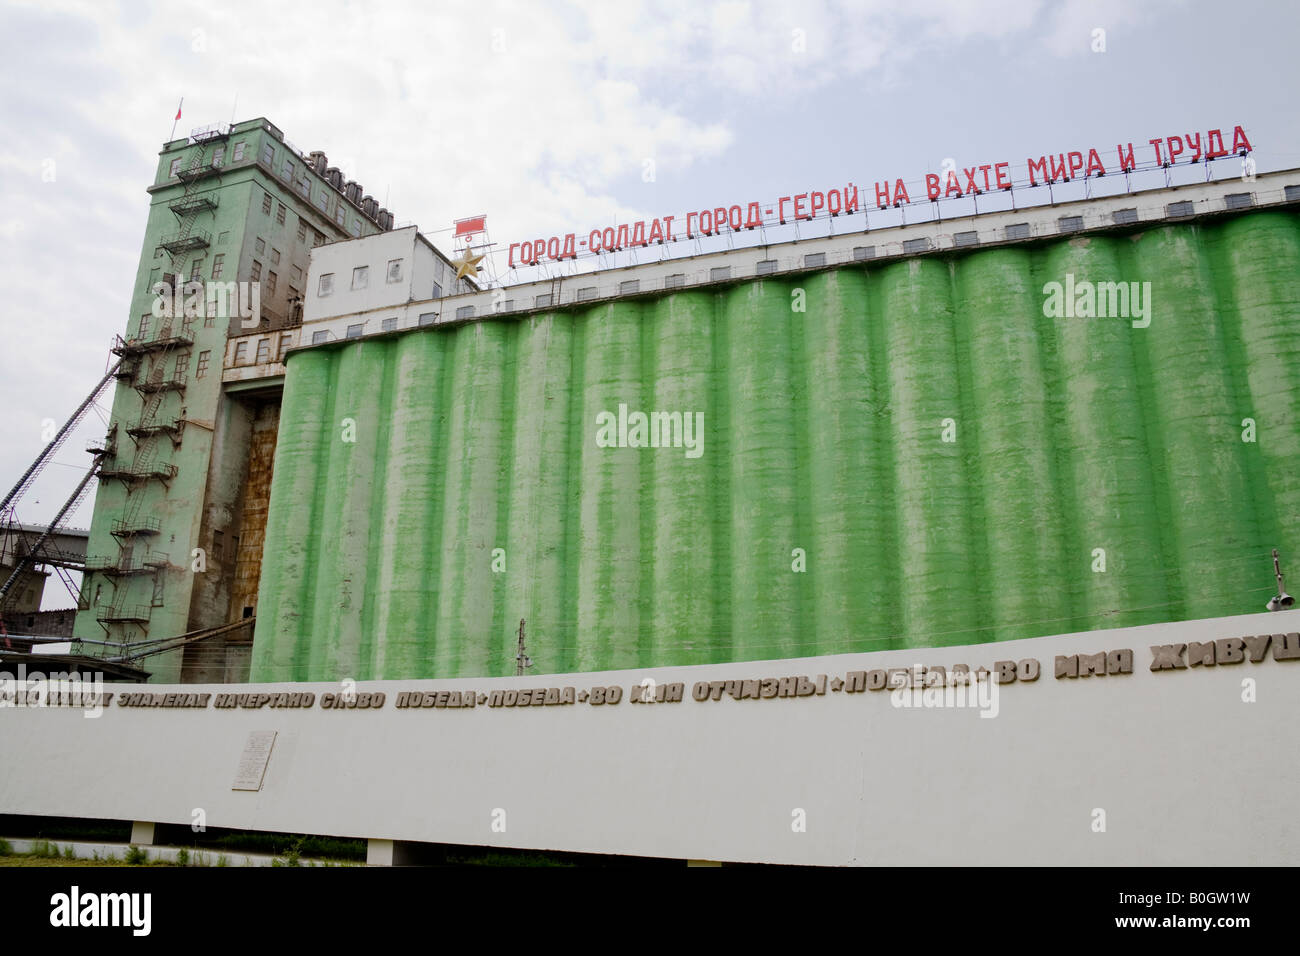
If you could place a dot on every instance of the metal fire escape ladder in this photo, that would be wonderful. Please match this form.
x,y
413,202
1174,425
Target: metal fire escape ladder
x,y
153,391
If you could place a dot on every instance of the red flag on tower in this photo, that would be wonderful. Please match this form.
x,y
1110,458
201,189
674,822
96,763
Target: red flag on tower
x,y
178,107
467,227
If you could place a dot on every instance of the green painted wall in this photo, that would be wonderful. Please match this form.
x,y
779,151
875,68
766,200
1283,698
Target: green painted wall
x,y
823,432
200,499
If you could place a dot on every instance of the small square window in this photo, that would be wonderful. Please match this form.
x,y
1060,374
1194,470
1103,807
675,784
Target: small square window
x,y
339,213
196,267
142,330
916,245
1124,217
542,301
201,369
394,270
437,291
326,284
863,252
629,287
239,153
275,257
675,281
271,279
814,260
318,337
182,365
1017,230
465,312
297,276
219,157
279,213
322,200
390,325
268,155
1070,223
356,227
223,238
1291,193
266,203
766,267
259,248
585,294
302,231
241,352
175,168
962,239
360,277
256,271
285,341
286,171
1178,210
428,318
263,351
1238,200
354,331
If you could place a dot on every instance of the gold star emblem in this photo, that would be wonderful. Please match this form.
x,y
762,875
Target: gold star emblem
x,y
467,264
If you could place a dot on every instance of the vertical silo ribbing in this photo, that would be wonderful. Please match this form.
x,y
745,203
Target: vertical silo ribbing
x,y
763,473
932,495
477,446
409,554
1115,522
678,498
999,308
535,558
850,574
609,487
285,595
1192,401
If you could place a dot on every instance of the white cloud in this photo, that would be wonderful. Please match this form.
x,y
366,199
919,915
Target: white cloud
x,y
538,115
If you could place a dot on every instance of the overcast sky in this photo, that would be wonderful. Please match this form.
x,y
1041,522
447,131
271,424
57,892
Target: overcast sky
x,y
543,115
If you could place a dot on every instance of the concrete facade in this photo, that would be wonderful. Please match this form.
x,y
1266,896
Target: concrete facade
x,y
876,432
1191,765
235,204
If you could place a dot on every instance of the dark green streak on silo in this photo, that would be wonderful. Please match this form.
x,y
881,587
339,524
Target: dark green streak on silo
x,y
932,496
999,309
